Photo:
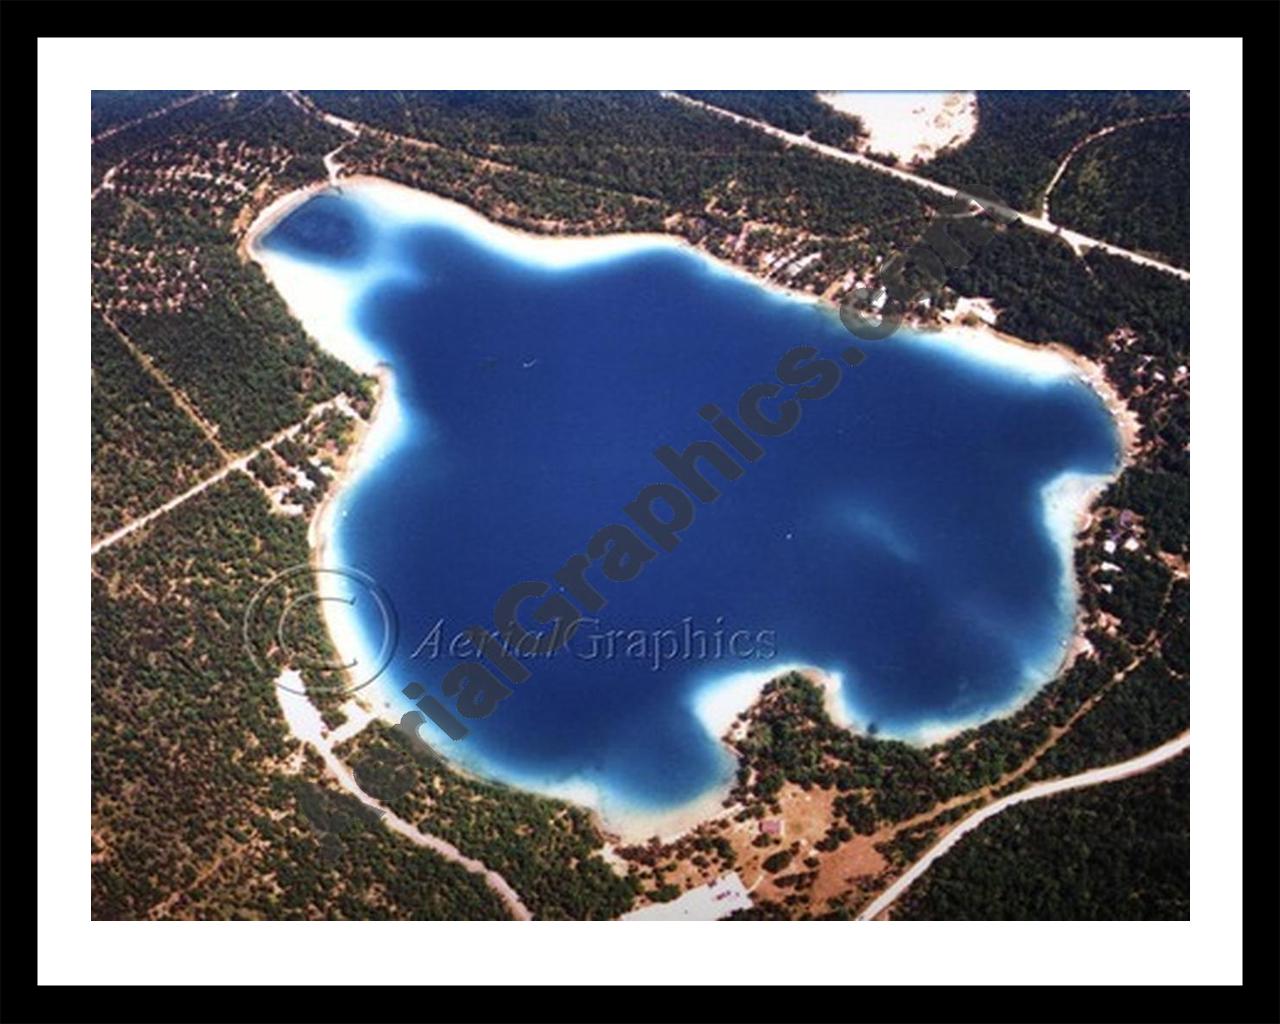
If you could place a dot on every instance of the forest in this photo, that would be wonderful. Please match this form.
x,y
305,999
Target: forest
x,y
547,849
1152,706
249,371
210,320
112,108
227,830
642,145
1023,136
796,111
128,141
217,831
145,449
1133,188
1119,851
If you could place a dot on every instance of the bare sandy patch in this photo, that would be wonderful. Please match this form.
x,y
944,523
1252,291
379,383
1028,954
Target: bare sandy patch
x,y
913,127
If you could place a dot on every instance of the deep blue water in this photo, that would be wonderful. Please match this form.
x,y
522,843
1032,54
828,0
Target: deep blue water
x,y
896,535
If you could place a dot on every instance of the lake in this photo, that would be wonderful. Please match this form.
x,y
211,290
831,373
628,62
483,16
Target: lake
x,y
901,537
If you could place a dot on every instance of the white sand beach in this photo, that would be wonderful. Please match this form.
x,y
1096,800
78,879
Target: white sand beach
x,y
1030,363
1066,499
718,705
324,301
353,647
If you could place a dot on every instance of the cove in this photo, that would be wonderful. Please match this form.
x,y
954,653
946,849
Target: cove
x,y
911,536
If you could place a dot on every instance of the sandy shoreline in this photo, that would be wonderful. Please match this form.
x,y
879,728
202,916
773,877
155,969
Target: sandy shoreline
x,y
546,250
719,707
1128,426
370,441
272,214
1076,491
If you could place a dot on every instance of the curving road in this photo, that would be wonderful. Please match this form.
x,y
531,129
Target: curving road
x,y
1076,240
307,726
1093,777
1089,140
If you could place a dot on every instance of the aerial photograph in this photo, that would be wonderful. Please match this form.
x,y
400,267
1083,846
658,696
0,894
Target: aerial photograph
x,y
640,505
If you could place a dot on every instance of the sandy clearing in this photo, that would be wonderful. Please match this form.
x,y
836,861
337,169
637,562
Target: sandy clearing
x,y
911,126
